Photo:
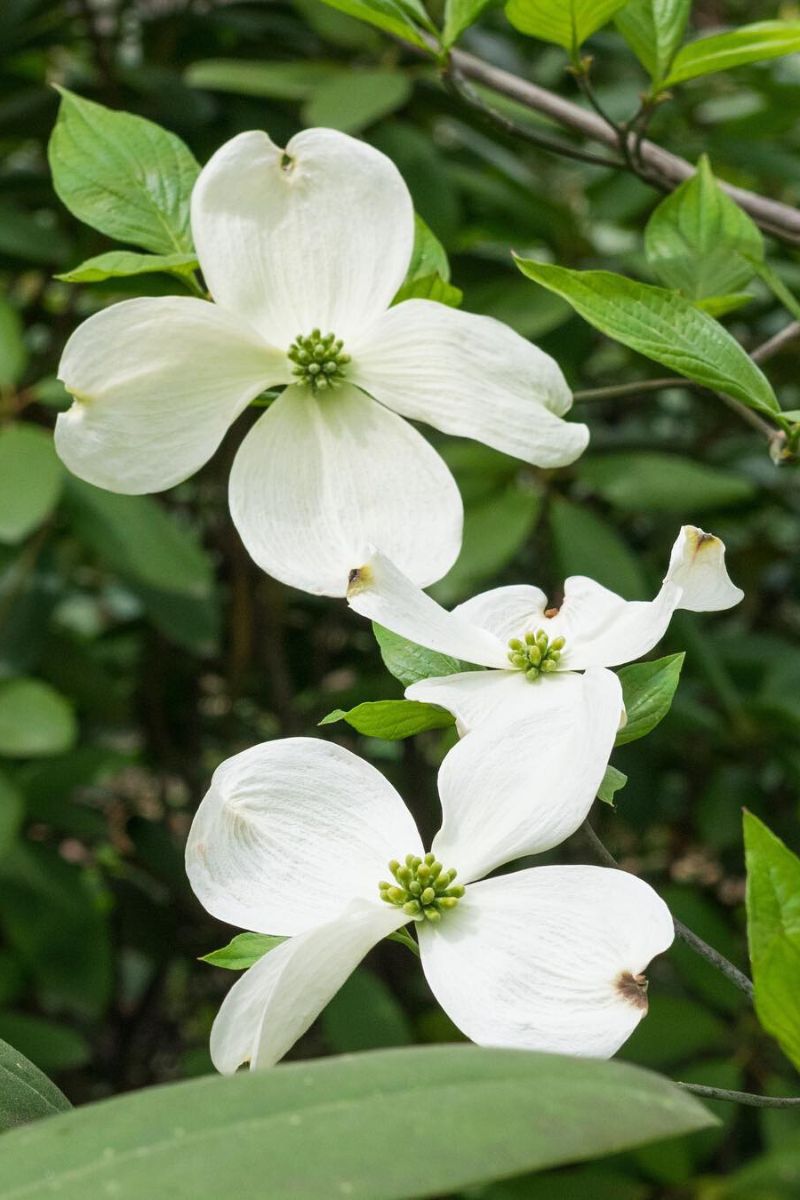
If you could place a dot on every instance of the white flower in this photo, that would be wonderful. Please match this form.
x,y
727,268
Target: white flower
x,y
301,838
302,251
534,651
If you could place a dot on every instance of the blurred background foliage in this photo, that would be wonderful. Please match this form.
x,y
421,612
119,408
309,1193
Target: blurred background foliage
x,y
139,645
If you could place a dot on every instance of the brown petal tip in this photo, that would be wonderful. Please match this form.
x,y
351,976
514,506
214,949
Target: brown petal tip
x,y
633,988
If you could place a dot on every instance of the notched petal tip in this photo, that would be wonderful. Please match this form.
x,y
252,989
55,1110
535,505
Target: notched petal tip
x,y
359,579
633,989
697,566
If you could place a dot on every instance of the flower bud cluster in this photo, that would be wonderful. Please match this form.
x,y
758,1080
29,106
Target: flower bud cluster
x,y
318,360
535,654
422,888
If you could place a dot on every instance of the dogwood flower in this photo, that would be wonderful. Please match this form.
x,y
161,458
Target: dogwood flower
x,y
303,250
302,838
535,651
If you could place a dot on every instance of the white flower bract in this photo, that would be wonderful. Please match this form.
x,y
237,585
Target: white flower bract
x,y
295,836
593,627
303,251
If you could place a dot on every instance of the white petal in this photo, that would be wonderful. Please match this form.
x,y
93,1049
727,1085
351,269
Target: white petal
x,y
506,611
475,697
697,566
156,384
379,591
508,790
472,376
316,482
546,959
602,629
279,997
323,241
290,832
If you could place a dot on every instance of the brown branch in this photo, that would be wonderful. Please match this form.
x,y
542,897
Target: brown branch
x,y
659,167
777,343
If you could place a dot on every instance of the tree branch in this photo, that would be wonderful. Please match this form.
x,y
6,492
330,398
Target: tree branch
x,y
752,1099
658,167
712,956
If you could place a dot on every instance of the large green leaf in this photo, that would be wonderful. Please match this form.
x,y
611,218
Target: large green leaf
x,y
568,23
634,481
773,933
654,30
495,529
273,80
459,15
13,352
25,1093
12,808
585,544
35,719
359,1126
391,719
120,264
647,691
401,18
661,325
409,662
30,480
700,241
721,51
123,175
158,556
355,100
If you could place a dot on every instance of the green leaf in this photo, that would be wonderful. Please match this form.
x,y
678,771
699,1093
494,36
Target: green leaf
x,y
568,23
119,264
31,477
634,481
35,720
272,80
355,100
400,18
721,51
25,1093
13,352
430,287
138,538
773,933
12,807
612,782
50,1046
495,529
647,692
242,951
162,559
719,306
428,256
661,325
458,16
700,241
344,1126
585,544
409,662
123,175
654,30
365,1015
391,719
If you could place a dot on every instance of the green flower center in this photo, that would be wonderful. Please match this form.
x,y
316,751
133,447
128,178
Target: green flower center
x,y
318,360
535,654
422,887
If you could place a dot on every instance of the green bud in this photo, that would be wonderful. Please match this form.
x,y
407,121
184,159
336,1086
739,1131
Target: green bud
x,y
516,644
428,896
532,673
548,666
424,888
432,914
411,908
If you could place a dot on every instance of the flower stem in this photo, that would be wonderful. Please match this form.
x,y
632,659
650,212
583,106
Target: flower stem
x,y
712,956
405,939
752,1099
